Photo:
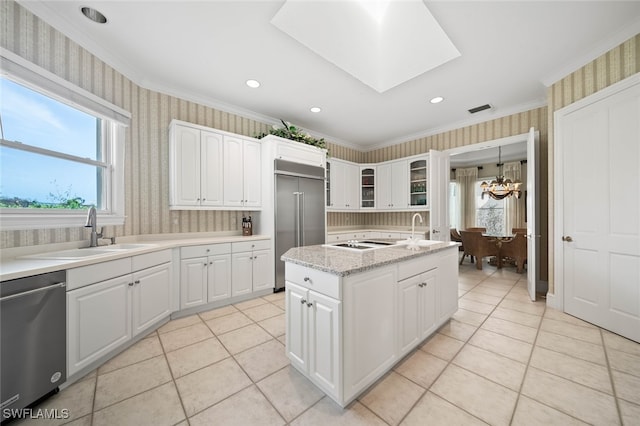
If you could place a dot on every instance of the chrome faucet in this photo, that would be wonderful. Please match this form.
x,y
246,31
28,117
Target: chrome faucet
x,y
413,224
91,223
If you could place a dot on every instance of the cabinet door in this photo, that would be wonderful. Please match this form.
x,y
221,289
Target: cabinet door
x,y
399,183
193,282
233,172
98,321
324,341
409,300
297,315
367,187
262,272
428,314
151,300
338,176
352,187
242,273
219,277
185,166
384,188
252,175
211,179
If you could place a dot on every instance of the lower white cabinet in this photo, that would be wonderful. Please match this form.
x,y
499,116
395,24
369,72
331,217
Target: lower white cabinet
x,y
104,315
205,274
314,336
251,267
416,310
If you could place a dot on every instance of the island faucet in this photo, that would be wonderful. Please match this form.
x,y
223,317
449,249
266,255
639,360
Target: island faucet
x,y
91,223
413,224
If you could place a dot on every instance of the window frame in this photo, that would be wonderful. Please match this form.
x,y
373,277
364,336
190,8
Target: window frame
x,y
114,123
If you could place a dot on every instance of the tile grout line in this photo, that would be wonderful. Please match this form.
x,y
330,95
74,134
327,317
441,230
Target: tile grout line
x,y
609,370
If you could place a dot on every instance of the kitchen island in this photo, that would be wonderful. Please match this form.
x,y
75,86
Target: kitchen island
x,y
352,314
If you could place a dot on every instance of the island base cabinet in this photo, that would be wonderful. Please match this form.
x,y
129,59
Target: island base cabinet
x,y
416,310
314,337
447,286
369,302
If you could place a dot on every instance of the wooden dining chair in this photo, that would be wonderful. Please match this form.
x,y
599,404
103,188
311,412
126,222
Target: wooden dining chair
x,y
477,229
466,247
455,236
516,249
480,246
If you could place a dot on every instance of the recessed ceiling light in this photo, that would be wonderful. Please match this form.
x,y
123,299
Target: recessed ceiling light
x,y
94,15
315,109
253,84
437,100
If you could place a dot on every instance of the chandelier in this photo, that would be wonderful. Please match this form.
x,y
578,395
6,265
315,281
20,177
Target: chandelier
x,y
500,187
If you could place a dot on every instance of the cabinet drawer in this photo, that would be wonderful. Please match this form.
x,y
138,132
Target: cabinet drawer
x,y
250,245
90,274
147,260
204,250
321,282
417,266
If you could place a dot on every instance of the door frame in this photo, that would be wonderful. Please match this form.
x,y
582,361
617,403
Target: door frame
x,y
556,300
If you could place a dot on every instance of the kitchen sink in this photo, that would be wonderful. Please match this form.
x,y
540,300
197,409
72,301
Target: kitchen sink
x,y
125,246
360,246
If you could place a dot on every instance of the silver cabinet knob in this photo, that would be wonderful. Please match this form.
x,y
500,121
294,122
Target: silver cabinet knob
x,y
309,304
303,301
130,284
567,238
307,279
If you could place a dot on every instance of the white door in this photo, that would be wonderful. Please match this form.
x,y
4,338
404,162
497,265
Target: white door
x,y
408,308
219,277
241,273
297,315
352,187
211,177
399,185
599,155
427,291
262,275
383,187
151,300
193,282
438,195
186,167
252,174
338,177
532,216
233,172
324,341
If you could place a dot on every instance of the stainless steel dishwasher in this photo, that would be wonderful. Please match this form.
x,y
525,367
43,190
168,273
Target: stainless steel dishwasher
x,y
33,339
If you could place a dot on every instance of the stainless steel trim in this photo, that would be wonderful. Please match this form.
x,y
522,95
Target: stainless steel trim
x,y
37,290
280,172
301,219
296,226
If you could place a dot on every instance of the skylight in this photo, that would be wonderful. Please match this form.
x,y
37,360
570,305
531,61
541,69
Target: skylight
x,y
402,41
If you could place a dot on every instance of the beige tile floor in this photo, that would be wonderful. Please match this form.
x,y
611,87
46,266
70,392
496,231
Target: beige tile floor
x,y
501,360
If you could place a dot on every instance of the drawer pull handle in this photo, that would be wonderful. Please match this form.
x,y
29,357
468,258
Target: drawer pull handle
x,y
130,284
307,279
309,304
303,301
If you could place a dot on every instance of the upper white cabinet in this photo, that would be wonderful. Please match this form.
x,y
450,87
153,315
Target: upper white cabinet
x,y
391,188
418,183
344,186
213,169
242,171
368,187
196,168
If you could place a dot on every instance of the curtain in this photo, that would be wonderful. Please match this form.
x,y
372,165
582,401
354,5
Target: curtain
x,y
514,208
467,178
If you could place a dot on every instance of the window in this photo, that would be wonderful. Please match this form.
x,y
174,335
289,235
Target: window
x,y
490,213
58,157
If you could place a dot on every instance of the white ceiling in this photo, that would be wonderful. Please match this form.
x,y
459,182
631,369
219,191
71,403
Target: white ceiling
x,y
205,51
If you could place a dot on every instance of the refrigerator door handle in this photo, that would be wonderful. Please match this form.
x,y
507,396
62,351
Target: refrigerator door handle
x,y
296,219
301,219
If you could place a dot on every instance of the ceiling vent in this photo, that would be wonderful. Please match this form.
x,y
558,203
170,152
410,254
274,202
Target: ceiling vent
x,y
480,108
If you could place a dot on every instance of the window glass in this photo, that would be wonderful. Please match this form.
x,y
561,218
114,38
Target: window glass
x,y
34,179
490,213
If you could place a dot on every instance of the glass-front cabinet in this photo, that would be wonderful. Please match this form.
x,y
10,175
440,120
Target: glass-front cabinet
x,y
367,187
418,184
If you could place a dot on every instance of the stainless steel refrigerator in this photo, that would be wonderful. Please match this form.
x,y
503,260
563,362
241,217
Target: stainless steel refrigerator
x,y
299,209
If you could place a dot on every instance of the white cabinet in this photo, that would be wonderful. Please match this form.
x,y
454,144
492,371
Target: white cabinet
x,y
418,182
195,168
391,189
242,172
205,274
251,267
416,310
104,315
367,187
447,285
344,185
313,336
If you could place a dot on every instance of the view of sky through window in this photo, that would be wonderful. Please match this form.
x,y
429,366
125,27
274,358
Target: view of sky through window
x,y
37,120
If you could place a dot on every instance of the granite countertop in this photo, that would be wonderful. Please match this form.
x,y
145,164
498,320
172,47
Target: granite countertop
x,y
343,262
17,263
